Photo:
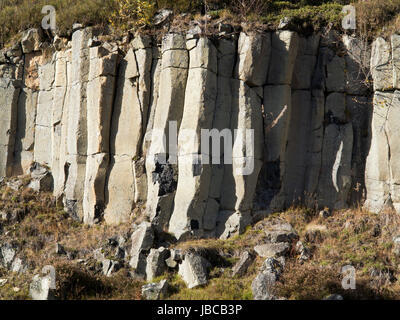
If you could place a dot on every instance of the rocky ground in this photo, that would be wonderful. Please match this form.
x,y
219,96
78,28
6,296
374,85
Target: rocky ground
x,y
297,254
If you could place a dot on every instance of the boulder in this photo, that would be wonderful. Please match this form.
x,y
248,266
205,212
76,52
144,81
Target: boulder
x,y
110,266
240,268
142,240
41,179
263,285
194,270
272,250
155,264
154,291
7,255
40,288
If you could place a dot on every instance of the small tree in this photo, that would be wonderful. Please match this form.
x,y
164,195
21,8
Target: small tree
x,y
132,14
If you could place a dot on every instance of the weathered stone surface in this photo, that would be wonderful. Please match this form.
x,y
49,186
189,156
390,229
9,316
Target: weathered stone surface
x,y
358,59
193,158
193,270
277,109
42,180
31,40
283,57
335,74
263,285
278,231
382,169
241,177
41,288
381,65
305,62
25,135
7,255
9,93
315,144
296,157
156,265
335,179
161,175
142,240
100,94
253,58
240,268
77,134
154,291
335,107
272,250
395,44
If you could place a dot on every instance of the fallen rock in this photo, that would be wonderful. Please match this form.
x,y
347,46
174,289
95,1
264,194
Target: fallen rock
x,y
39,288
174,259
279,231
272,250
142,240
154,291
240,268
156,265
7,255
110,266
42,179
19,266
263,285
194,270
3,282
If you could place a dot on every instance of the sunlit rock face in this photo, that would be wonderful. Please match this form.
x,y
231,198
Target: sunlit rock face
x,y
204,136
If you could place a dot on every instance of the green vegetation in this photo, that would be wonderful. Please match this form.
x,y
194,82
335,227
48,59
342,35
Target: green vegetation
x,y
348,237
123,15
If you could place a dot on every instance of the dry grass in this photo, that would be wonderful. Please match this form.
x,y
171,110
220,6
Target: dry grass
x,y
349,237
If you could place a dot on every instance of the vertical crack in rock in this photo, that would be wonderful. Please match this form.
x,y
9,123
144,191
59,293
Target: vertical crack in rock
x,y
195,176
9,93
166,123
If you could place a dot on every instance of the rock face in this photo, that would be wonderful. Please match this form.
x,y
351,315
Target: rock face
x,y
208,135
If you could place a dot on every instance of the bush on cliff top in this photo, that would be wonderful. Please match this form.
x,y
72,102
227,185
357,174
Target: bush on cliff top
x,y
19,15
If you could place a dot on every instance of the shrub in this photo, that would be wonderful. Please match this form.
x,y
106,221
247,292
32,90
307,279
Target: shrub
x,y
132,14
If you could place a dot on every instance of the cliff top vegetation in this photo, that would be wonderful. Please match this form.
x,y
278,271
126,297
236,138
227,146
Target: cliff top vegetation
x,y
373,16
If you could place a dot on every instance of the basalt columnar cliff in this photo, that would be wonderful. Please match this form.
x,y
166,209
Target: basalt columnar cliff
x,y
88,109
